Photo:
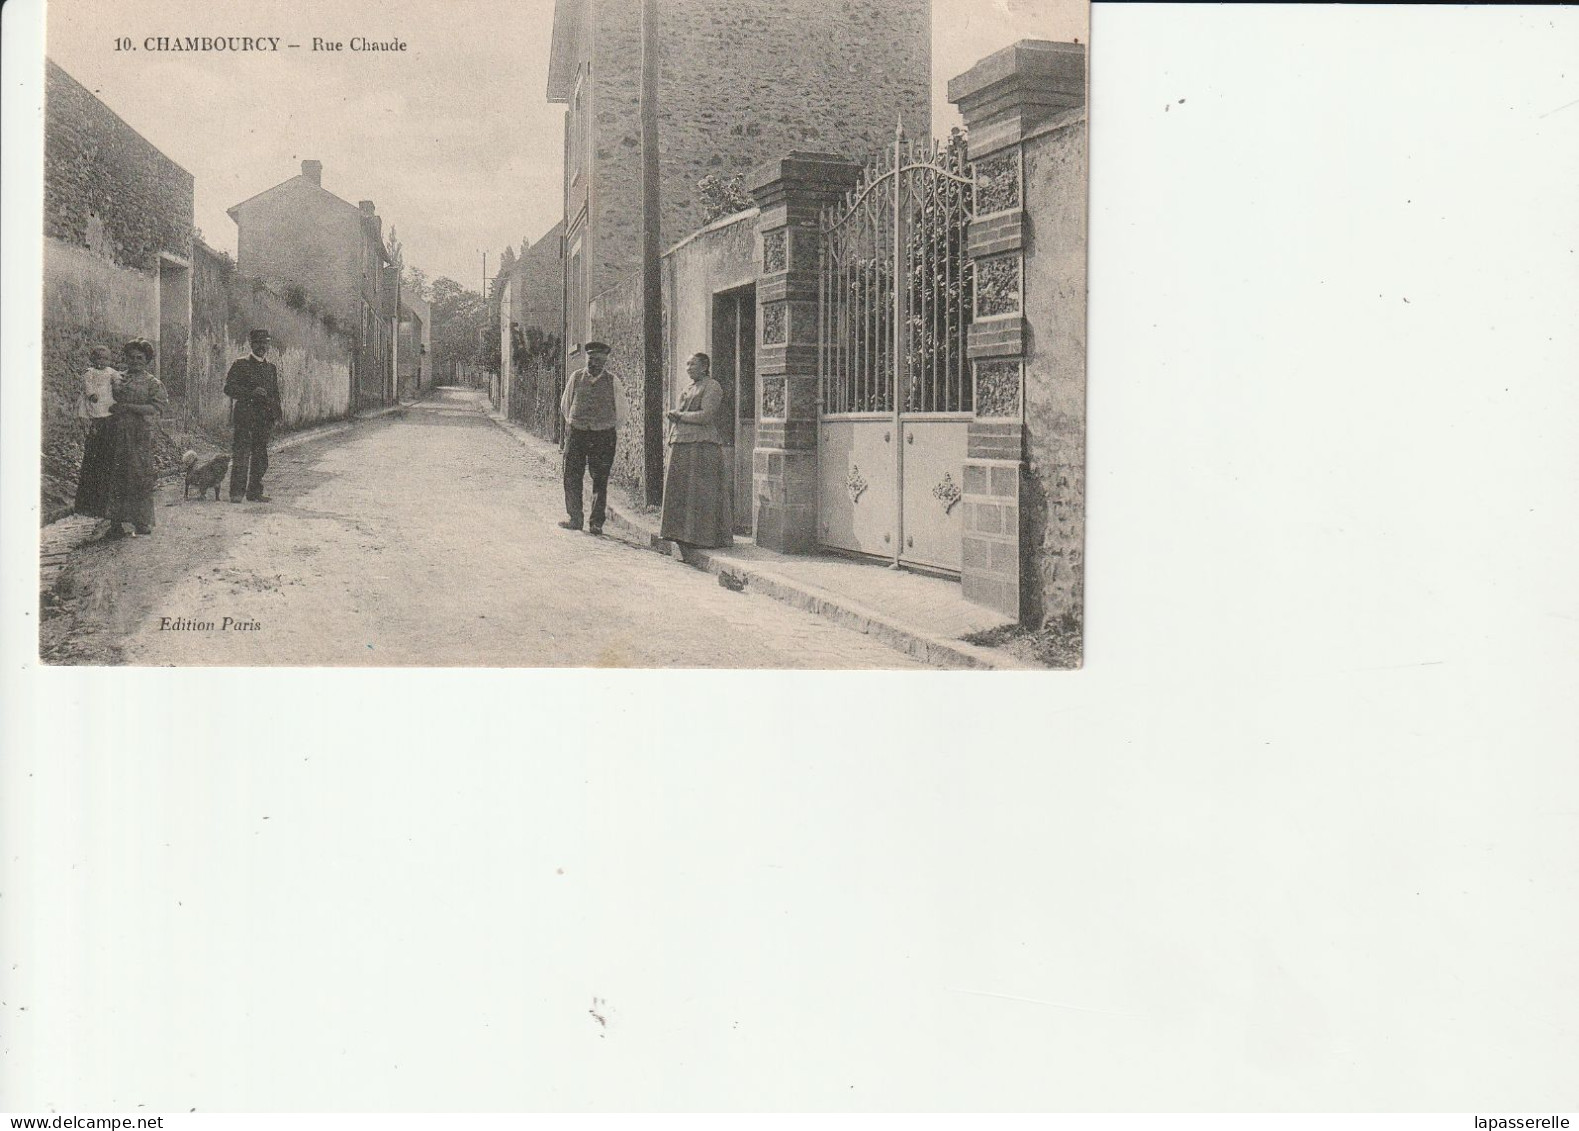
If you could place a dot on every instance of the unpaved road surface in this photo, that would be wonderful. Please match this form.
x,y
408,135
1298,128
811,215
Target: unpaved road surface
x,y
424,538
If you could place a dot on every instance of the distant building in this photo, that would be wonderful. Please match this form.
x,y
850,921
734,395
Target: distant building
x,y
537,284
328,253
739,85
411,351
527,299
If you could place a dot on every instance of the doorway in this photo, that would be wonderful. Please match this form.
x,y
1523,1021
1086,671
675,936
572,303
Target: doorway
x,y
735,368
175,324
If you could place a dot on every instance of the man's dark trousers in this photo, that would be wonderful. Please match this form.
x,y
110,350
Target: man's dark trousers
x,y
249,452
595,450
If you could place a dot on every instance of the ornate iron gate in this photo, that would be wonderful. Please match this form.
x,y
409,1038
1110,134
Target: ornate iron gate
x,y
895,301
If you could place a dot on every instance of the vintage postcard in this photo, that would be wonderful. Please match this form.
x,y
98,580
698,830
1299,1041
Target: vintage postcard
x,y
646,333
1301,834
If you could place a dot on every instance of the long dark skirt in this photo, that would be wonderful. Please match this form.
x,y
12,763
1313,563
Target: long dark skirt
x,y
93,482
133,473
696,505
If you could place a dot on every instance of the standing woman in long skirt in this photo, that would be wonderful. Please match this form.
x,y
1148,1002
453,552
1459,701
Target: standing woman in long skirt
x,y
139,397
696,506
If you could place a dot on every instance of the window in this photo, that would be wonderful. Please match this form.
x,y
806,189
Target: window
x,y
576,300
579,123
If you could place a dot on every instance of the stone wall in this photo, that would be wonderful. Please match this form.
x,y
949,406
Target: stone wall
x,y
741,84
616,318
113,206
615,152
1053,531
534,398
88,301
312,354
106,188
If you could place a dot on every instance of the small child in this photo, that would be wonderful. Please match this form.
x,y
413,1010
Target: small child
x,y
98,446
97,386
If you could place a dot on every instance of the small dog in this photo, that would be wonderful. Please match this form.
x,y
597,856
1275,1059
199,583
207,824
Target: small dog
x,y
205,475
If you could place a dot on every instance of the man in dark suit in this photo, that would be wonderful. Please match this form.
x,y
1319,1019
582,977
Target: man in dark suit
x,y
253,386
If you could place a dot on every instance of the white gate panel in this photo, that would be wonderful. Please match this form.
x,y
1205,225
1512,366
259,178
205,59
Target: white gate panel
x,y
934,482
855,490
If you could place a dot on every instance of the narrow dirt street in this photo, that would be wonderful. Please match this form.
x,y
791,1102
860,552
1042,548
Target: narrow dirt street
x,y
422,538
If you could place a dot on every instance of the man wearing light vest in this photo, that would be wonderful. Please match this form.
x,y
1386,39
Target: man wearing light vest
x,y
594,408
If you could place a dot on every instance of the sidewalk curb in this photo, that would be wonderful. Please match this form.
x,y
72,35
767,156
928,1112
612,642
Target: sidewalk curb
x,y
903,638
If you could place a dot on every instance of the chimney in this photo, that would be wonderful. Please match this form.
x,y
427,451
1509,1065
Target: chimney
x,y
366,206
313,171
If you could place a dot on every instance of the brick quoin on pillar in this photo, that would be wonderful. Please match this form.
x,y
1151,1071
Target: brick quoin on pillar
x,y
1002,99
790,194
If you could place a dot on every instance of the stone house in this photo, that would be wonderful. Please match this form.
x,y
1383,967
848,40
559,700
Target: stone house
x,y
118,228
328,254
966,458
738,84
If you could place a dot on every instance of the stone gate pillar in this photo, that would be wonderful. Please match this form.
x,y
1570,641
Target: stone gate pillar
x,y
1004,99
790,194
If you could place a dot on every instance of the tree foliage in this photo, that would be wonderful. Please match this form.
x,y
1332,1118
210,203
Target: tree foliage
x,y
415,280
459,319
722,197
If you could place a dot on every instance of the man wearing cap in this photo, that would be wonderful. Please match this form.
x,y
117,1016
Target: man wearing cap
x,y
594,409
253,387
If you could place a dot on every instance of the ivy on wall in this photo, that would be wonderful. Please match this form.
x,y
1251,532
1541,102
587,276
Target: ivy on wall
x,y
998,285
998,387
998,183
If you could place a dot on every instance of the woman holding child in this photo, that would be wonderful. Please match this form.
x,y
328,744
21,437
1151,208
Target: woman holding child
x,y
139,397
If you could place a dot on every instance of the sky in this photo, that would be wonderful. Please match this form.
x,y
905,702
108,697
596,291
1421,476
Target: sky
x,y
453,139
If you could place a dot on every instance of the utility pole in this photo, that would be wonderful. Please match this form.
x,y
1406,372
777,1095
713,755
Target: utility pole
x,y
652,278
482,337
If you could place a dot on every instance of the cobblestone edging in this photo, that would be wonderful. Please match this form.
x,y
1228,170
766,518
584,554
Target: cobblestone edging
x,y
912,642
62,535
